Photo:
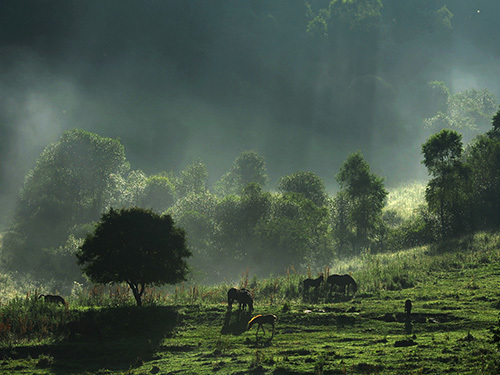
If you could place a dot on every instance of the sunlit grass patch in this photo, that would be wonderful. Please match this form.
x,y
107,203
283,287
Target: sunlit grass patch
x,y
406,199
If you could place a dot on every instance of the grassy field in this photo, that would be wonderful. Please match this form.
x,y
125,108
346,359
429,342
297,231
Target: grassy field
x,y
188,329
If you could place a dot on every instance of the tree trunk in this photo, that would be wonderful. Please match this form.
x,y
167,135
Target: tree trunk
x,y
137,290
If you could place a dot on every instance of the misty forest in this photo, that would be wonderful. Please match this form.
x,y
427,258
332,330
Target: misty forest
x,y
176,172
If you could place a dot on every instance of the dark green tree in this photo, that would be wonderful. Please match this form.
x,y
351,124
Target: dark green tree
x,y
366,197
448,190
249,167
306,183
236,219
483,159
135,246
296,232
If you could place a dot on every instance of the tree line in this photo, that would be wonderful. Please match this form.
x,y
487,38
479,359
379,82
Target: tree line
x,y
239,222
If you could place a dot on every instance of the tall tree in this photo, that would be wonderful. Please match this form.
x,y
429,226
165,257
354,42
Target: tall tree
x,y
366,198
447,191
135,246
483,159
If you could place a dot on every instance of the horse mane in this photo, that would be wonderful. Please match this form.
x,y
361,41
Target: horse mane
x,y
252,321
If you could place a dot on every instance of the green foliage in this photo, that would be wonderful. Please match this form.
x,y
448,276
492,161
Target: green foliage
x,y
467,111
363,199
342,16
306,183
30,319
296,233
193,180
135,246
158,193
249,167
68,186
448,190
417,230
483,159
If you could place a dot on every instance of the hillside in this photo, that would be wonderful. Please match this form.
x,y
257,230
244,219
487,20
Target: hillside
x,y
455,297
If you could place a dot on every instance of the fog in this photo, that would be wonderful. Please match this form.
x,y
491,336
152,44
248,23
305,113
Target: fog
x,y
176,81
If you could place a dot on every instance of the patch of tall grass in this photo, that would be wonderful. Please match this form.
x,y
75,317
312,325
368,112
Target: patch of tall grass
x,y
29,318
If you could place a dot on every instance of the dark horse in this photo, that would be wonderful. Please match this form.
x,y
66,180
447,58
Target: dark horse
x,y
243,296
314,283
53,298
345,282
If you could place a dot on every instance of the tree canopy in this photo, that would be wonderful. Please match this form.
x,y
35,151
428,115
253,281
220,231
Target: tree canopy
x,y
366,196
135,246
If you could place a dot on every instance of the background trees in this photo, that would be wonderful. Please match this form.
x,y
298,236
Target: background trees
x,y
306,183
135,246
68,187
297,224
467,112
249,167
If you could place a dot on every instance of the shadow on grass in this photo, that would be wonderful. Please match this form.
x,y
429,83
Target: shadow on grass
x,y
259,341
235,323
131,336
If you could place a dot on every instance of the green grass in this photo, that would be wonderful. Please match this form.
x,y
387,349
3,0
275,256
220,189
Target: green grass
x,y
187,329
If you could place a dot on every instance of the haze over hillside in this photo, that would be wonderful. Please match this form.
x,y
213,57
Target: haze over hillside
x,y
305,83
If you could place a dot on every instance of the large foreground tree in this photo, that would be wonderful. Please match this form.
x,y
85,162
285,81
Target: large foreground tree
x,y
135,246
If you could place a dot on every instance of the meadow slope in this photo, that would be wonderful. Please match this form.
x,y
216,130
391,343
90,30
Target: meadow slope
x,y
188,330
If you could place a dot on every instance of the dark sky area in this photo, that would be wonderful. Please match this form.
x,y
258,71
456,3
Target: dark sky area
x,y
179,80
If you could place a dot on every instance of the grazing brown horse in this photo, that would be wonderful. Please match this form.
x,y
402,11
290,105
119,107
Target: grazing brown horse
x,y
53,298
260,320
345,282
243,296
408,306
313,283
